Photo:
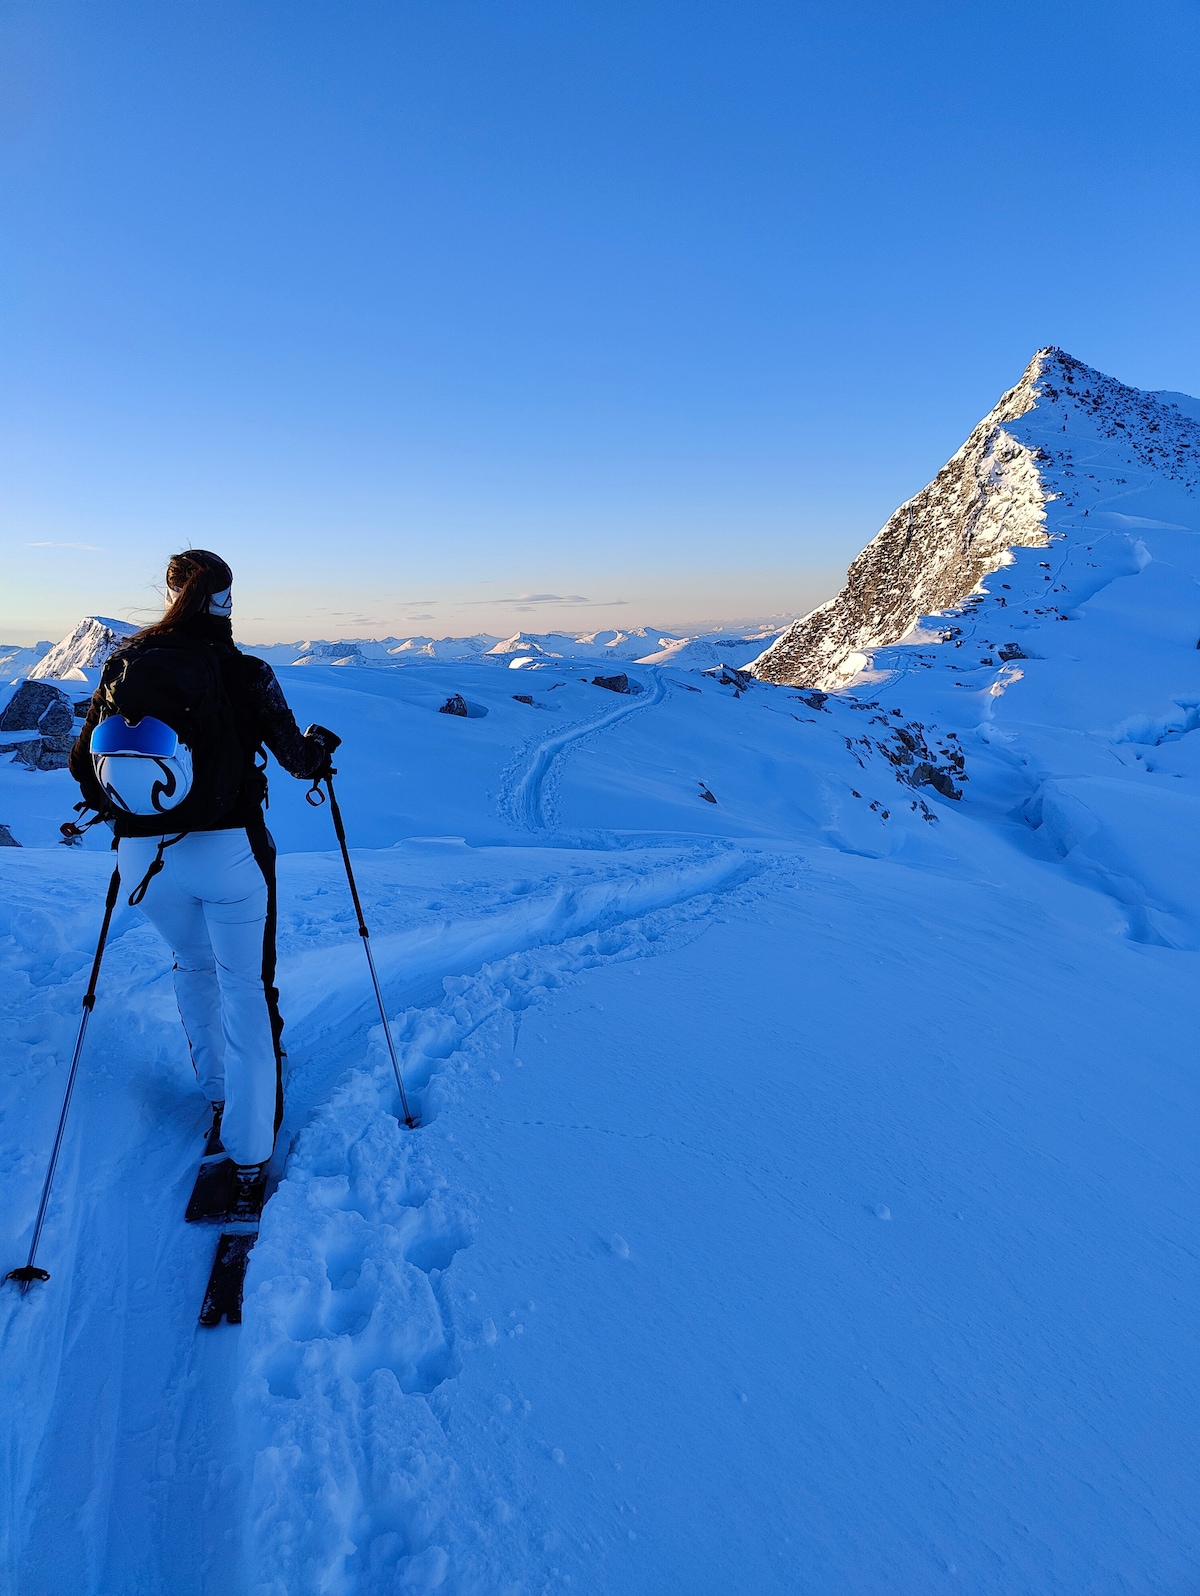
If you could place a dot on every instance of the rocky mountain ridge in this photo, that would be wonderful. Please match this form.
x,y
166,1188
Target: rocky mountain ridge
x,y
86,648
1016,482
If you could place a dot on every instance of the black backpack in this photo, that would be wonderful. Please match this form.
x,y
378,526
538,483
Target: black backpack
x,y
179,680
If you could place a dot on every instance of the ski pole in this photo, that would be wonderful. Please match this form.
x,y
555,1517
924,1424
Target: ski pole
x,y
29,1272
315,797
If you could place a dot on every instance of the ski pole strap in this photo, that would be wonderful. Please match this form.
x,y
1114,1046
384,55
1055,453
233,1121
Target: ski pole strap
x,y
139,892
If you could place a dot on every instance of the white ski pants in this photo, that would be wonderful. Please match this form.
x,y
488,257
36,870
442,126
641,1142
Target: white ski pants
x,y
209,901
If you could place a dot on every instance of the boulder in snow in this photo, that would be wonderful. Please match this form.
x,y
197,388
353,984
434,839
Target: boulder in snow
x,y
730,676
36,706
40,753
456,704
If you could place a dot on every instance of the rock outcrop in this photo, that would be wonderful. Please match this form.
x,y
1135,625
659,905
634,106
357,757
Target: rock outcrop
x,y
42,708
36,706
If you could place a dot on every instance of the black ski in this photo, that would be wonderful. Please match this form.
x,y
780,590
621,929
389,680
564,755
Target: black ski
x,y
212,1195
223,1298
219,1197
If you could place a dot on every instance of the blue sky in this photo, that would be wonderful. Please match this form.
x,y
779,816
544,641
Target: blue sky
x,y
431,317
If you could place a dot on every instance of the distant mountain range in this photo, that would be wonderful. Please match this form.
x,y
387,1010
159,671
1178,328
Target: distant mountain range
x,y
96,636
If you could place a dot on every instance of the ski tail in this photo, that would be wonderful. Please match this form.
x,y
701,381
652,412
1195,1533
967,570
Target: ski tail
x,y
223,1298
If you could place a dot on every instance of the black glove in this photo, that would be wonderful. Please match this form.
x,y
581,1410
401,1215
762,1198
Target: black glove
x,y
327,741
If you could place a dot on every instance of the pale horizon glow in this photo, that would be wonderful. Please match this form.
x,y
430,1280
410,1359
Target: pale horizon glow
x,y
261,615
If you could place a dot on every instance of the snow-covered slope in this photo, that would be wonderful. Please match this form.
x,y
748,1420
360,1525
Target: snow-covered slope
x,y
17,660
1020,480
804,1198
84,649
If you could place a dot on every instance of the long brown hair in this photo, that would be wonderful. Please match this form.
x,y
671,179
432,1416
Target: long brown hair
x,y
193,577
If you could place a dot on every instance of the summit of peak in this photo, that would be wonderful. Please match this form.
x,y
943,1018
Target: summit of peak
x,y
87,647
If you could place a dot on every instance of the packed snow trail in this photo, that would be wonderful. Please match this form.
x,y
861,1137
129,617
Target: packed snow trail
x,y
524,790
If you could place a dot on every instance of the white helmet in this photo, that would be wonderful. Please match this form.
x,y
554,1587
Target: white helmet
x,y
144,768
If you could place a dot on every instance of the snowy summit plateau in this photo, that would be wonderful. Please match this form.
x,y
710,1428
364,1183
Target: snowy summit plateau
x,y
801,1028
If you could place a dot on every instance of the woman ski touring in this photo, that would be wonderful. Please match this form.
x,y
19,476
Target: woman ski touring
x,y
168,754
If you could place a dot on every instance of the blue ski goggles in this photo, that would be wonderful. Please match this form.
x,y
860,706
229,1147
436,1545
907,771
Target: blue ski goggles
x,y
149,737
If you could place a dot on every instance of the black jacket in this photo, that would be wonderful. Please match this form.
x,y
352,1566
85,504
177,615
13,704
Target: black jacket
x,y
260,710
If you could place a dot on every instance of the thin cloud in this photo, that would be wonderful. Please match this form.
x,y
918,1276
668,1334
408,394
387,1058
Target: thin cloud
x,y
91,548
529,601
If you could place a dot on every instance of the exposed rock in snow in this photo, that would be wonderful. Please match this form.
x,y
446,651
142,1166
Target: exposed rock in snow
x,y
40,753
1010,485
36,706
86,648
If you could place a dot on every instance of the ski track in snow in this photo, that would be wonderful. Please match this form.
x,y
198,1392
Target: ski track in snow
x,y
525,789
